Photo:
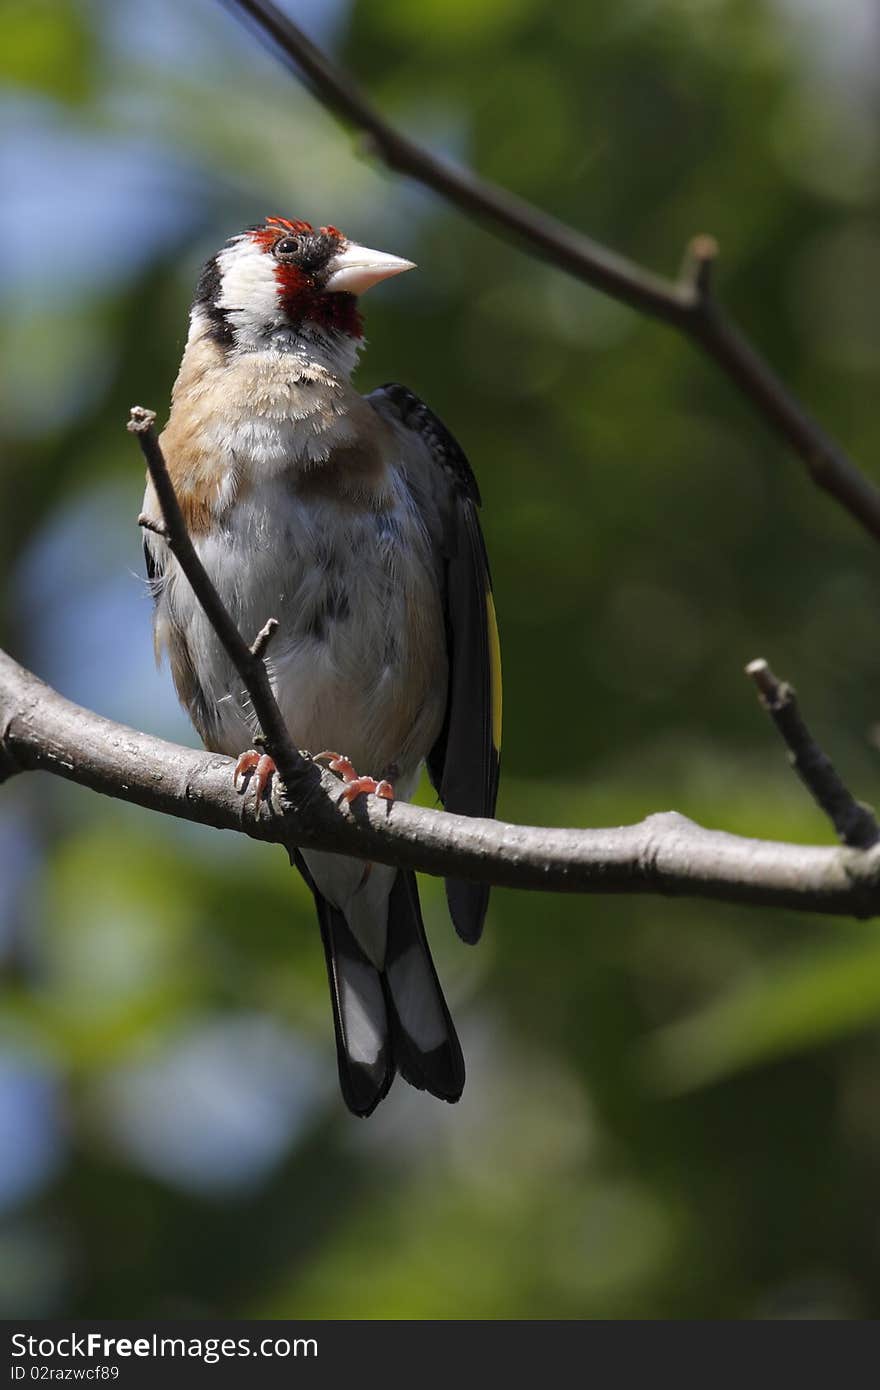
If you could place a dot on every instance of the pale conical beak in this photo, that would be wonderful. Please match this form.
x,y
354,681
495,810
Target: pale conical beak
x,y
357,268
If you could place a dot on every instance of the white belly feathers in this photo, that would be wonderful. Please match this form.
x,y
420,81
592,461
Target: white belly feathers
x,y
358,663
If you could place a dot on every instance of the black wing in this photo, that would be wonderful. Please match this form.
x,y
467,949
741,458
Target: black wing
x,y
464,762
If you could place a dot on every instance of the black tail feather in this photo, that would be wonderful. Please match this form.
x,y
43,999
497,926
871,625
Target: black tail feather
x,y
396,1019
426,1046
360,1018
468,904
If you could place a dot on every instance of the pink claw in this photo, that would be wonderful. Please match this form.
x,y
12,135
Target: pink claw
x,y
354,785
262,767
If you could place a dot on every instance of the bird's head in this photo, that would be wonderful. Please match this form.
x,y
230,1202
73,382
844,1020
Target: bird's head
x,y
288,278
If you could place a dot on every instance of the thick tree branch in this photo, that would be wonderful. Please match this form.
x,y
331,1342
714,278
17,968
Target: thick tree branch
x,y
855,823
665,854
688,304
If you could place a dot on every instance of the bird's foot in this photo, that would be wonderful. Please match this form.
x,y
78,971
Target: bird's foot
x,y
354,785
258,769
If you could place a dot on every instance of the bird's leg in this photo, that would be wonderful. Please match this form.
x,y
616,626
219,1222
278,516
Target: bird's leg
x,y
257,762
354,785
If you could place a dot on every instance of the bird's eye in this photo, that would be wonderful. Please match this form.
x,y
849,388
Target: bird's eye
x,y
287,246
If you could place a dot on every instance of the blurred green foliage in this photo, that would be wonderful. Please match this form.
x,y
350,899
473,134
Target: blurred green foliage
x,y
672,1108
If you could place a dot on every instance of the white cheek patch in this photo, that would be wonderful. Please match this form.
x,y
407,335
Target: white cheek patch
x,y
248,288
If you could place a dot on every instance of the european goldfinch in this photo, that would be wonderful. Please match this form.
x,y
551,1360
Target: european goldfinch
x,y
353,520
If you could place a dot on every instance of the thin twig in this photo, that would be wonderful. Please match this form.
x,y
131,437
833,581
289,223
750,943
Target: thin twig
x,y
260,646
248,661
688,305
854,822
699,263
663,855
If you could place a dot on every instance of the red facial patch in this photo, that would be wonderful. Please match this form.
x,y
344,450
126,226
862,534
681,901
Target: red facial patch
x,y
274,228
286,225
299,297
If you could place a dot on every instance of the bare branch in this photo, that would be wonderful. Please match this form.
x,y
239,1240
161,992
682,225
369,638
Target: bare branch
x,y
260,646
295,772
854,822
687,305
699,263
665,854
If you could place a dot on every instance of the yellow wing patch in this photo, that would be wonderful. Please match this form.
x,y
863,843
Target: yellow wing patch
x,y
494,669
